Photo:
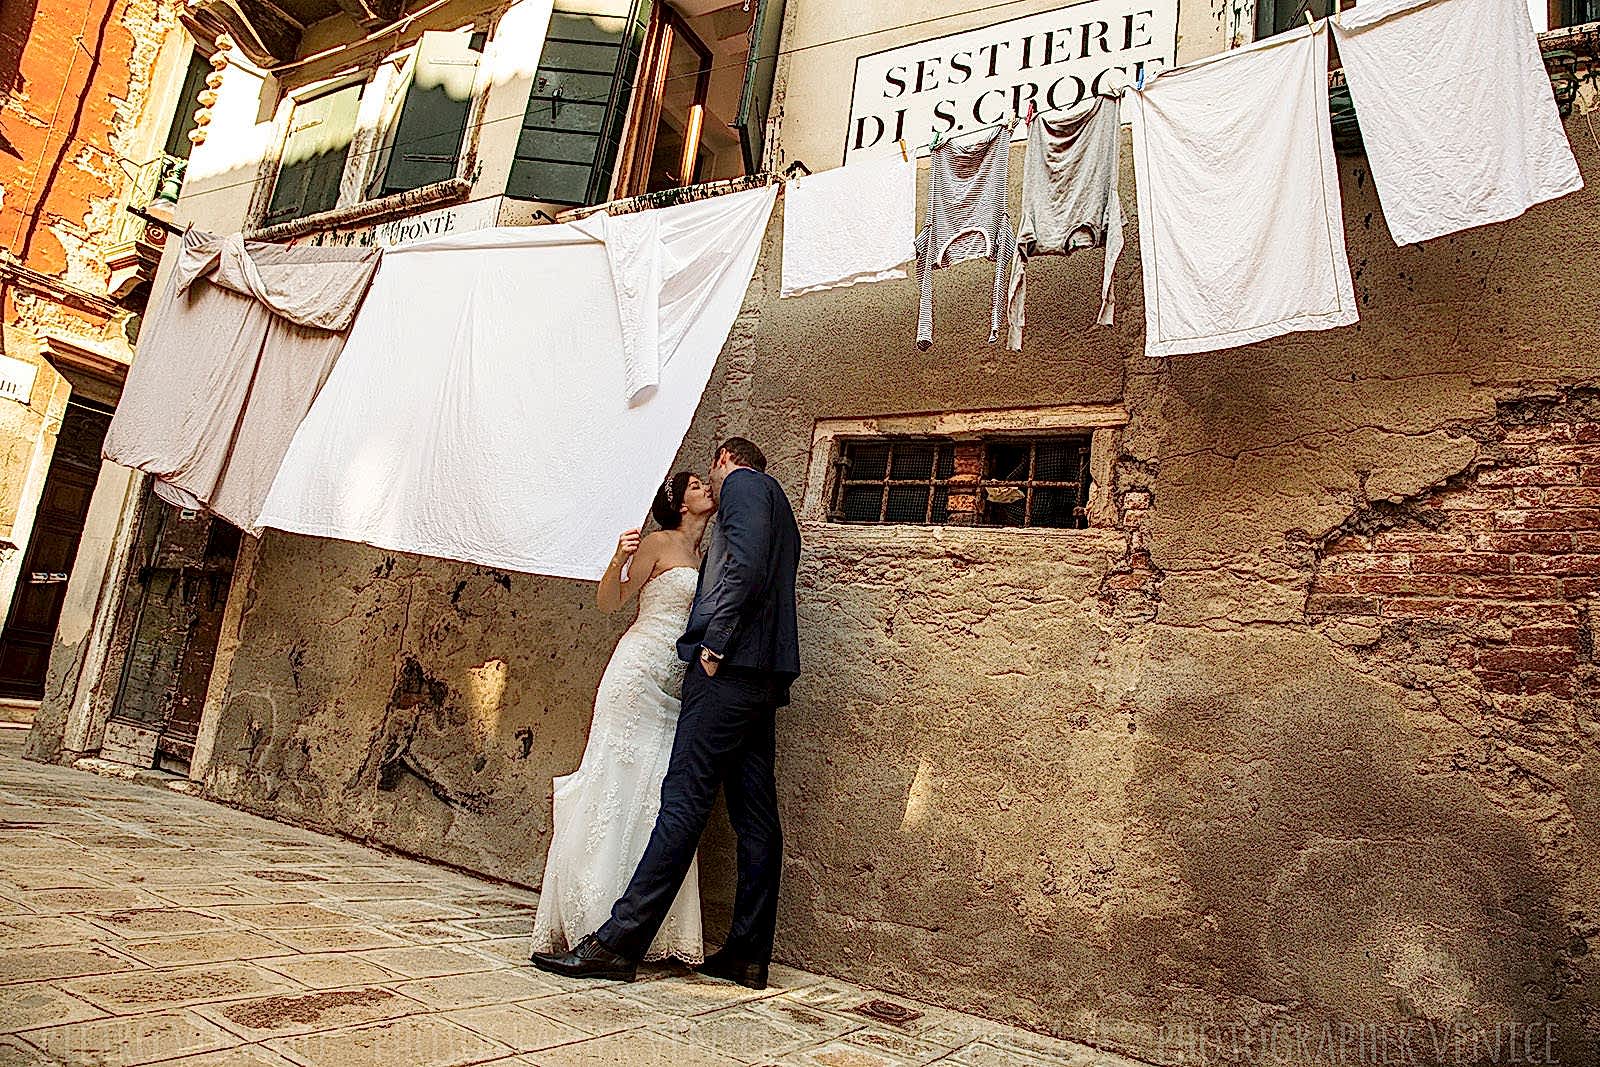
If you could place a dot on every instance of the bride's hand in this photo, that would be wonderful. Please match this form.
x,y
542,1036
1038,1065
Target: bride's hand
x,y
627,544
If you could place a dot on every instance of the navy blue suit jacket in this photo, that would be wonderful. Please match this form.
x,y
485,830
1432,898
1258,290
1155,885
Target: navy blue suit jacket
x,y
744,604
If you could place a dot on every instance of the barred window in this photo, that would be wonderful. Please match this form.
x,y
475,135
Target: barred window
x,y
1000,480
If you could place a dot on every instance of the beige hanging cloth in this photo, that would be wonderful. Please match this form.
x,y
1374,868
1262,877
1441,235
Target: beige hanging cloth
x,y
228,364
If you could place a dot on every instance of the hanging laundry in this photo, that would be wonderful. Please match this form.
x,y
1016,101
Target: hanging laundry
x,y
1457,117
481,410
968,217
849,225
1240,226
231,358
1069,202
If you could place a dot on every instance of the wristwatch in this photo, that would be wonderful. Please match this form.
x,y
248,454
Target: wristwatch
x,y
708,656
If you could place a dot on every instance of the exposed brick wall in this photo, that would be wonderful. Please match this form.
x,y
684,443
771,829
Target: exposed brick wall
x,y
1501,563
1131,589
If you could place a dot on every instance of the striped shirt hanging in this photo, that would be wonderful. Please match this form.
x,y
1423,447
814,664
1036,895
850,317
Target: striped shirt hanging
x,y
967,218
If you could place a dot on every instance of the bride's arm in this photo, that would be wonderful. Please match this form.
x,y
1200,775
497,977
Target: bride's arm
x,y
614,592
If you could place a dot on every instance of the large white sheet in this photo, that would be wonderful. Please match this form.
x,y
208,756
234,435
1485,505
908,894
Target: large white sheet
x,y
1241,231
483,408
1457,115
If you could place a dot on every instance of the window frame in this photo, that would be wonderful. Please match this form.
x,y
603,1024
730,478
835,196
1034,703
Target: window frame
x,y
968,498
668,30
1566,13
368,152
1100,424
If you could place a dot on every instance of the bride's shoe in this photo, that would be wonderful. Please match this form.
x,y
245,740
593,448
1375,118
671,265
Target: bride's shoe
x,y
587,959
733,969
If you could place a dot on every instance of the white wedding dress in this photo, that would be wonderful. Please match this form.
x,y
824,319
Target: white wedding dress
x,y
605,810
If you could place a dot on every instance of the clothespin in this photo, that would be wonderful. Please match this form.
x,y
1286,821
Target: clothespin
x,y
937,137
1033,112
1309,20
905,156
1139,83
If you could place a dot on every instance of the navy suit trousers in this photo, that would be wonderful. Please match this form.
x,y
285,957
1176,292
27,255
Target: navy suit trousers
x,y
726,739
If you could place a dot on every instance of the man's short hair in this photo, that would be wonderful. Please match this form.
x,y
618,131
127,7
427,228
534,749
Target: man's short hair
x,y
745,453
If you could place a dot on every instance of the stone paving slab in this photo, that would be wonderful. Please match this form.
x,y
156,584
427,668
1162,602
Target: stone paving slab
x,y
30,1004
142,926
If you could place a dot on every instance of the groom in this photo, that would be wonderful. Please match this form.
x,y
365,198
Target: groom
x,y
743,651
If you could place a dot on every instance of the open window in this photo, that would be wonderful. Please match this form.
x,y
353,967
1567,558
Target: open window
x,y
314,154
1276,16
669,148
647,96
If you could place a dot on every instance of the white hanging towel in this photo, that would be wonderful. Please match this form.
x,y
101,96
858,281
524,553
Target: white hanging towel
x,y
849,225
1457,116
1240,226
479,411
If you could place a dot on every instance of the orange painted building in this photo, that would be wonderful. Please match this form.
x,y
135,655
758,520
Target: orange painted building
x,y
96,97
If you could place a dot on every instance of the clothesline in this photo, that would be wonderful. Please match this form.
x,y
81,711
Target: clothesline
x,y
1237,246
1245,244
390,147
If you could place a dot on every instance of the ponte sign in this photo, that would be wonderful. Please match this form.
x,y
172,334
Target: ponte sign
x,y
1056,60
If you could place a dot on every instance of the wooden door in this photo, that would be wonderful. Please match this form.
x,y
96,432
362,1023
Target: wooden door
x,y
178,594
30,628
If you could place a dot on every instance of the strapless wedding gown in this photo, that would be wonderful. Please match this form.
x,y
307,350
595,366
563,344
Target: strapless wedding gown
x,y
605,810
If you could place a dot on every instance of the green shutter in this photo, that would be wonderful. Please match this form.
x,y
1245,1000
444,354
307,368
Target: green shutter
x,y
194,81
433,119
572,129
755,101
314,155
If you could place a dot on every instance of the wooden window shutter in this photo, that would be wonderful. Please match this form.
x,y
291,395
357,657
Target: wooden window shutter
x,y
577,111
761,67
432,124
314,155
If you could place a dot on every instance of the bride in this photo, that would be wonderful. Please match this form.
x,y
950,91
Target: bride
x,y
605,810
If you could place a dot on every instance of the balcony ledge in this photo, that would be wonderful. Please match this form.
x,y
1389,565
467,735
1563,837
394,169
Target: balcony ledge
x,y
452,191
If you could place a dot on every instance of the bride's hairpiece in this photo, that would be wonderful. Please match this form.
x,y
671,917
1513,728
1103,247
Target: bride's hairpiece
x,y
666,488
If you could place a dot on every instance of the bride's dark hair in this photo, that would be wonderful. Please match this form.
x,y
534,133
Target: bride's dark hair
x,y
669,501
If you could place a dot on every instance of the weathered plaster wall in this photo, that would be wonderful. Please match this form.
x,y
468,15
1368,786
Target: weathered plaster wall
x,y
1135,785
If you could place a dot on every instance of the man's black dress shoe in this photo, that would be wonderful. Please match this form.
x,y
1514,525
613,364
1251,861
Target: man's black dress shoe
x,y
747,973
587,959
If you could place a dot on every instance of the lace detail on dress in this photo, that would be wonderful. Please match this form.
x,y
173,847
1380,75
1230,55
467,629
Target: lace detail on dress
x,y
605,810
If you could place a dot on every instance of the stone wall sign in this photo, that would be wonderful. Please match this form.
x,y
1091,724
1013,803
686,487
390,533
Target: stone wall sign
x,y
1056,60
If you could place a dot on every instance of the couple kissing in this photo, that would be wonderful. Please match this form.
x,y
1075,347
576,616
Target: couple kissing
x,y
687,705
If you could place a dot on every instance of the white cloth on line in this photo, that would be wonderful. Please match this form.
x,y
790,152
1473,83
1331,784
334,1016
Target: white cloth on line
x,y
1457,116
849,225
1241,232
478,411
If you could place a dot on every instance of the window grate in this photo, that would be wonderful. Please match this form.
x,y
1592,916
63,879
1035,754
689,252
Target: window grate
x,y
898,480
1021,481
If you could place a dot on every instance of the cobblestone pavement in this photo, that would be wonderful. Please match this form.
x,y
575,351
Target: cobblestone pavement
x,y
138,925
